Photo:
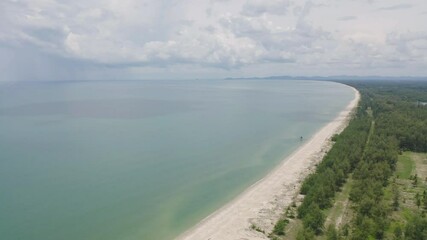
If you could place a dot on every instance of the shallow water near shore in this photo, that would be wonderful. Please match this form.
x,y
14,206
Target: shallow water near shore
x,y
144,159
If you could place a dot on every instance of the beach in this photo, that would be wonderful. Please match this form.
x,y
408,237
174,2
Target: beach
x,y
262,204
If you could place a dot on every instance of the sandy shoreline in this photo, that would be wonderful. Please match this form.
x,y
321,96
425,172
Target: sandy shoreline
x,y
263,202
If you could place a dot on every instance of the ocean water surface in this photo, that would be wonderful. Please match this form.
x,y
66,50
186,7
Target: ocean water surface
x,y
144,159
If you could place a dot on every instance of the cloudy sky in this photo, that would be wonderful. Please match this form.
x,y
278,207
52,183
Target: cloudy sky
x,y
146,39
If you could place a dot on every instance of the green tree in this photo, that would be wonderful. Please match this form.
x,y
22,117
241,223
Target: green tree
x,y
279,228
418,199
396,197
425,199
415,180
416,228
314,219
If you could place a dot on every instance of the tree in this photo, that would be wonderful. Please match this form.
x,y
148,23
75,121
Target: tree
x,y
279,228
425,199
396,197
416,228
415,180
418,200
314,219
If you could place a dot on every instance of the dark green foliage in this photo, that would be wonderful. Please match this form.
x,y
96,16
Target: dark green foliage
x,y
334,137
415,180
396,196
397,110
389,120
399,124
416,229
279,228
332,172
425,199
314,219
364,228
345,230
418,199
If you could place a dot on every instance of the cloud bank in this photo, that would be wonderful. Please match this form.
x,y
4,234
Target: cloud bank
x,y
134,39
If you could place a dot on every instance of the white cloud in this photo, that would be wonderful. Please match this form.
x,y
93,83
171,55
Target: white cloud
x,y
219,36
255,8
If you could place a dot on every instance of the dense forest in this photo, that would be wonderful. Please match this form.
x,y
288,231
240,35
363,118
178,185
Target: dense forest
x,y
400,125
391,118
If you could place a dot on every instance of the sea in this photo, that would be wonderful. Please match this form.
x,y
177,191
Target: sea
x,y
127,160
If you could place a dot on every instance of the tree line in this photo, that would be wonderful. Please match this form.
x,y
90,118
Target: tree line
x,y
400,125
390,119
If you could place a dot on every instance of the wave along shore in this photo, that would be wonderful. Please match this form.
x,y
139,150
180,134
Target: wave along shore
x,y
264,202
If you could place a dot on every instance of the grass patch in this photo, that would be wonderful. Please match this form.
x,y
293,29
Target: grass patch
x,y
409,165
405,165
420,161
407,213
292,229
340,210
340,214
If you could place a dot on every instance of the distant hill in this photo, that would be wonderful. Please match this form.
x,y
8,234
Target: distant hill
x,y
343,77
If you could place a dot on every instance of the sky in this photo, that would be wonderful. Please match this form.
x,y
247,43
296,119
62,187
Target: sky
x,y
180,39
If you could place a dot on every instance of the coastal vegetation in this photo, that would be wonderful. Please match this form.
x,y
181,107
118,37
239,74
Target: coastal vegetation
x,y
372,184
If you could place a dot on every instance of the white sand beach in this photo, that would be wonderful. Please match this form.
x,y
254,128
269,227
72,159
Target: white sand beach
x,y
264,202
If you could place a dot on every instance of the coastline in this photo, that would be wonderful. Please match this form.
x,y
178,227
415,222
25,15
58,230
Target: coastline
x,y
263,202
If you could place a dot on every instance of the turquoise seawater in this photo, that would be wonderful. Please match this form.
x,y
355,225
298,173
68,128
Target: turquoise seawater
x,y
144,159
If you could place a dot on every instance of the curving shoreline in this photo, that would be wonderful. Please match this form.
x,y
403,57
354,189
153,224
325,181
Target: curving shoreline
x,y
263,202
